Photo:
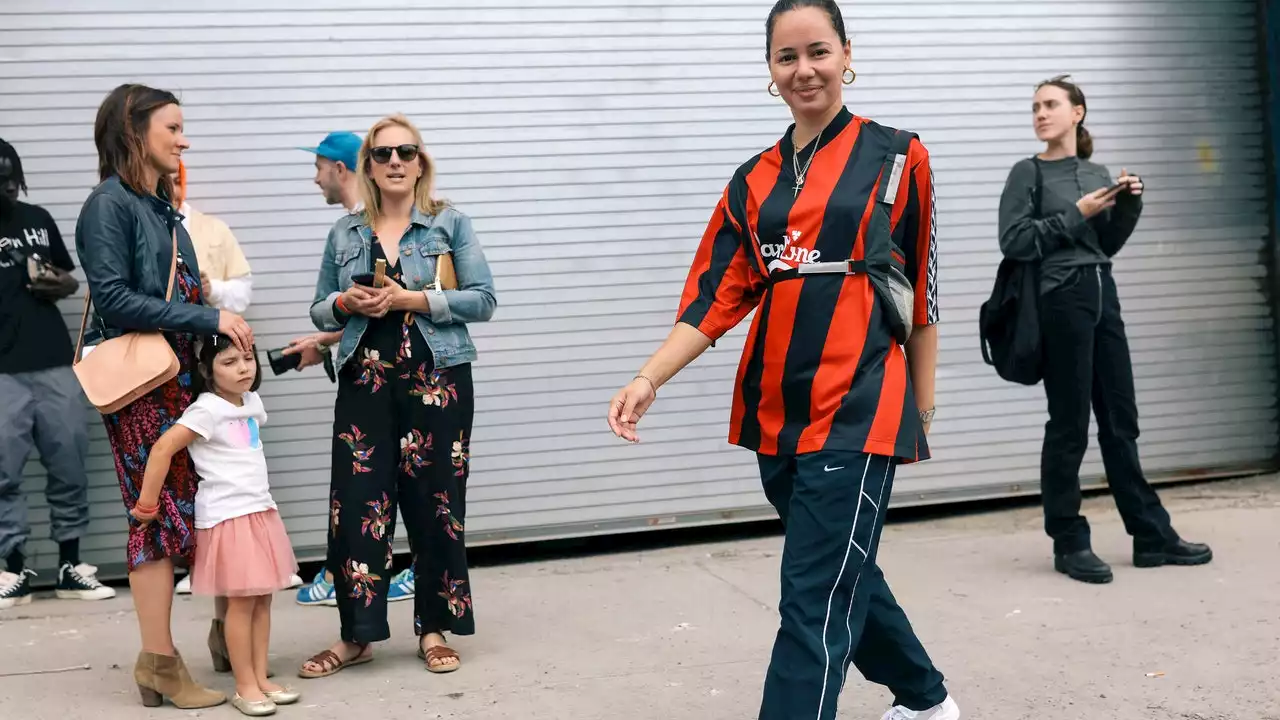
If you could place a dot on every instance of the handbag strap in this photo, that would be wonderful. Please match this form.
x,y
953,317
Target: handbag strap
x,y
168,296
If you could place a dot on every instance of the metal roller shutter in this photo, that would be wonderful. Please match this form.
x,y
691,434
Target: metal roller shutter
x,y
589,141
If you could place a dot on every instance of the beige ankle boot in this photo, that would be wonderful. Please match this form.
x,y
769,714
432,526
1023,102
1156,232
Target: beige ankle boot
x,y
164,676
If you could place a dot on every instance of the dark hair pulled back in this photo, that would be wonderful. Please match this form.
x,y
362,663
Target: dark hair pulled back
x,y
1084,141
784,6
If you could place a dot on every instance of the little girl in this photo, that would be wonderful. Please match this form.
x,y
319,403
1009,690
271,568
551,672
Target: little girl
x,y
242,549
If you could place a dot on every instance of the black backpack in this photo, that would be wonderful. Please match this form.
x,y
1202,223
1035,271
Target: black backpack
x,y
1009,321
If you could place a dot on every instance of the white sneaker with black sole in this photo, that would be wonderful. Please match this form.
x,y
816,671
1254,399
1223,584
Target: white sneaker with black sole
x,y
80,582
15,589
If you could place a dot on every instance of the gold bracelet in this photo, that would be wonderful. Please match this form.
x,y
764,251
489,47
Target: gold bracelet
x,y
652,384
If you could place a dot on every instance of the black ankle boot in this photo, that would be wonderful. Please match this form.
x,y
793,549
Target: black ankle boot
x,y
1179,552
1083,566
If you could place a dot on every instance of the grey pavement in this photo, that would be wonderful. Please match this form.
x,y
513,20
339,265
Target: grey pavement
x,y
684,633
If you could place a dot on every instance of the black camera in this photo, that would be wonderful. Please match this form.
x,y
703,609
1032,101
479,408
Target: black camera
x,y
281,363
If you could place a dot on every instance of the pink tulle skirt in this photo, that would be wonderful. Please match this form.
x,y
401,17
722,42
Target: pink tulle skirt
x,y
244,556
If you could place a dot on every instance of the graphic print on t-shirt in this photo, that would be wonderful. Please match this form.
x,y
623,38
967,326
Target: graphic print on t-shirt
x,y
785,255
33,336
16,249
245,433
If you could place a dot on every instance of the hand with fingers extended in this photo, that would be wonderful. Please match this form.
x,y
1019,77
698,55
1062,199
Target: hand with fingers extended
x,y
235,327
1096,202
368,301
629,405
311,348
1133,183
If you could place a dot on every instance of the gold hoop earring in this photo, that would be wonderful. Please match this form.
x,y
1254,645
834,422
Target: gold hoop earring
x,y
772,89
851,75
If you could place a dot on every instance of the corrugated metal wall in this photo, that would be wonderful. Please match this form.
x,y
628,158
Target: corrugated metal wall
x,y
589,141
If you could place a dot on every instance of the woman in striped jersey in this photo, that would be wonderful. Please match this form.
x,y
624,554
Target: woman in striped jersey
x,y
826,396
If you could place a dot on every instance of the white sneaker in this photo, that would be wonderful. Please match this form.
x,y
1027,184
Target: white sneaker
x,y
295,581
184,585
15,589
81,583
948,710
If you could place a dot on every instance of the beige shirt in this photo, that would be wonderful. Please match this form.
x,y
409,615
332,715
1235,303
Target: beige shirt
x,y
220,259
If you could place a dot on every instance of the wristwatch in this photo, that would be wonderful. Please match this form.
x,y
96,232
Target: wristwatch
x,y
926,416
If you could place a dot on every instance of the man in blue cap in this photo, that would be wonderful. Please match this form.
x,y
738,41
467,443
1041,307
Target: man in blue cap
x,y
337,158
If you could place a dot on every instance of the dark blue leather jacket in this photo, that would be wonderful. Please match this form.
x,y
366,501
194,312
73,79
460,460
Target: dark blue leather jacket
x,y
125,247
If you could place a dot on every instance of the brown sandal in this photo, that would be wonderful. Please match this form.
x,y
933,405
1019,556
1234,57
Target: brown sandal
x,y
330,663
439,654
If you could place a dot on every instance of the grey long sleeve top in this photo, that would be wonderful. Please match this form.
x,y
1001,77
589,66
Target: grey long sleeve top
x,y
1060,237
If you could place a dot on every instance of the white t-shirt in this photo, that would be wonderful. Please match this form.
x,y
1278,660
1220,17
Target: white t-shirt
x,y
228,457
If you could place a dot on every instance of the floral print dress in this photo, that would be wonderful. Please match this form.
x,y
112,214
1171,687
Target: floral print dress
x,y
401,440
134,429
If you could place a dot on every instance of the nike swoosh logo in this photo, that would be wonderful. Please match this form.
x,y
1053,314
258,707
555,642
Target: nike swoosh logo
x,y
828,468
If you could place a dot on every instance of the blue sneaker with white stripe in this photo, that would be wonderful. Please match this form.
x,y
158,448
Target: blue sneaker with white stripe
x,y
319,592
402,586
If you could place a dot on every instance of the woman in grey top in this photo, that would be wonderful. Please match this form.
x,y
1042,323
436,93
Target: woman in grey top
x,y
1072,224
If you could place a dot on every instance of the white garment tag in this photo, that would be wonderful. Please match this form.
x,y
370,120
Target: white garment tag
x,y
895,179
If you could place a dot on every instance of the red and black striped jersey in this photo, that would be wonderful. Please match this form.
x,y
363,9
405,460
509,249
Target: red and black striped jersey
x,y
820,369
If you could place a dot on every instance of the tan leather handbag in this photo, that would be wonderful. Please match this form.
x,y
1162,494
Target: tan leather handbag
x,y
446,276
120,370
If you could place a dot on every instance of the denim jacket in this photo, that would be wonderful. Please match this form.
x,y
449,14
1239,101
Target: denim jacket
x,y
348,252
125,246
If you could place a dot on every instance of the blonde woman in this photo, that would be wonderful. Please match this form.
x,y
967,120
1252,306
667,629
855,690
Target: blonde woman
x,y
402,420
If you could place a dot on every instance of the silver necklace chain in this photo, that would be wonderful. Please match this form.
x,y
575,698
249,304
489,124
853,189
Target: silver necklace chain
x,y
795,161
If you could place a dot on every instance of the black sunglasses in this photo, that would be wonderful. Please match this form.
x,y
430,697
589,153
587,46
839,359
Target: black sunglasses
x,y
382,154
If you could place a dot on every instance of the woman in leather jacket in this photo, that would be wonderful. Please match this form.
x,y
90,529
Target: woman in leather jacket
x,y
402,420
125,237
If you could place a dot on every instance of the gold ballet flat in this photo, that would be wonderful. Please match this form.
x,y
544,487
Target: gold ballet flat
x,y
253,708
287,696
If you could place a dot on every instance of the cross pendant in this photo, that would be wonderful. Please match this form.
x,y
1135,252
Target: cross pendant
x,y
799,184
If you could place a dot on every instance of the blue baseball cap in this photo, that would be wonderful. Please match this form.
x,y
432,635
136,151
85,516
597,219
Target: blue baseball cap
x,y
343,147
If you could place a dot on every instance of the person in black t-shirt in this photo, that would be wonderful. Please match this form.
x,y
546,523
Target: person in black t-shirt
x,y
40,400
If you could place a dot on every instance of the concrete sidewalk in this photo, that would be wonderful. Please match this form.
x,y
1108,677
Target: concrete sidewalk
x,y
684,633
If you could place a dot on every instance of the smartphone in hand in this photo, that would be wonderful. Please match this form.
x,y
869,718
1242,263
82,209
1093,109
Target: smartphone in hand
x,y
375,279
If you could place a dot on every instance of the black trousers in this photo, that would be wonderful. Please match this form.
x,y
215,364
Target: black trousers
x,y
401,438
836,607
1086,360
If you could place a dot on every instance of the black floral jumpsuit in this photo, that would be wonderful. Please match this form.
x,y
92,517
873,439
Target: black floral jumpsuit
x,y
401,436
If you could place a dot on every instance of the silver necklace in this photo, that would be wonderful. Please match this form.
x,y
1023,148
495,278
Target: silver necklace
x,y
795,161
